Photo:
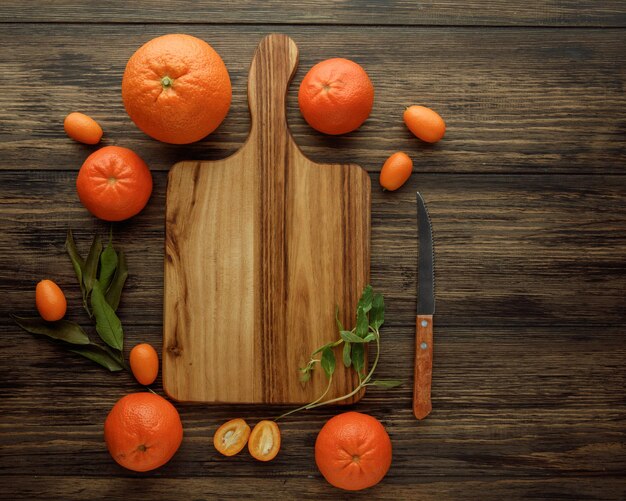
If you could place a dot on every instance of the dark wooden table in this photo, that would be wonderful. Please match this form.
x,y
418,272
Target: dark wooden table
x,y
528,200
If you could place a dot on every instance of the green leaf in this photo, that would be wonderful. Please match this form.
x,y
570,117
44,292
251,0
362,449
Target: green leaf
x,y
347,361
358,357
62,330
365,302
100,356
328,361
370,337
339,325
78,262
114,293
91,264
108,264
386,383
351,337
362,324
108,325
377,314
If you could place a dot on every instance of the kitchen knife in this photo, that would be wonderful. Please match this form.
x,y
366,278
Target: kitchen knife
x,y
425,311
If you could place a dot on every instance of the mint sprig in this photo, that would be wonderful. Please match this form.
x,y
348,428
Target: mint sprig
x,y
370,317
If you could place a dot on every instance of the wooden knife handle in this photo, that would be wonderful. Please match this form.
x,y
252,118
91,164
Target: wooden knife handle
x,y
423,366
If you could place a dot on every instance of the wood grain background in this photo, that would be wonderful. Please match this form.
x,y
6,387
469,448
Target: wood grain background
x,y
527,195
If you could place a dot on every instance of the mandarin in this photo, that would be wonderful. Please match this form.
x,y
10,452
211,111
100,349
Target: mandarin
x,y
114,183
176,88
143,431
336,96
353,451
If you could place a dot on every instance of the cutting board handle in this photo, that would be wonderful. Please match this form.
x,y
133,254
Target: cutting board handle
x,y
273,66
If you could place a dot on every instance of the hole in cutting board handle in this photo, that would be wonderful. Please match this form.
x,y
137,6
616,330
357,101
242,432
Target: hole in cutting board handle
x,y
273,66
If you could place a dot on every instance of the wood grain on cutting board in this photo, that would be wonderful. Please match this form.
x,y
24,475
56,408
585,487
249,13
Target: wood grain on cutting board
x,y
260,248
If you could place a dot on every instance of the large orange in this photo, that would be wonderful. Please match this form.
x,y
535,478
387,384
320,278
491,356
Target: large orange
x,y
336,96
353,451
143,431
176,88
114,183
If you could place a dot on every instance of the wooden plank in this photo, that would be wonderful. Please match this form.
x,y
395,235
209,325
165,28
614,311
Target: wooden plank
x,y
425,488
524,404
406,12
260,249
510,250
515,100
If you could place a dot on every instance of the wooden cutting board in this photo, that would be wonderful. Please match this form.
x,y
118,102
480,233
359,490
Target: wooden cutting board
x,y
260,247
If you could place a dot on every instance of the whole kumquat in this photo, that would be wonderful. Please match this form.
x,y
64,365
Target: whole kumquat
x,y
424,123
144,362
50,301
396,171
82,128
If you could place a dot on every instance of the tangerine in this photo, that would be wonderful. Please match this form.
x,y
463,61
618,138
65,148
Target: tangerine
x,y
176,88
353,451
143,431
336,96
114,183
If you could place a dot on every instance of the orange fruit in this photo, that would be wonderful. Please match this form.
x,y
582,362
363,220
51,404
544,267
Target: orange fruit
x,y
176,89
264,441
114,183
336,96
82,128
353,451
143,431
50,301
231,437
396,171
424,123
144,362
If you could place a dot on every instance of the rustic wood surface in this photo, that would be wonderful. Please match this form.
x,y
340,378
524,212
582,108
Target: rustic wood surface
x,y
272,255
527,195
355,12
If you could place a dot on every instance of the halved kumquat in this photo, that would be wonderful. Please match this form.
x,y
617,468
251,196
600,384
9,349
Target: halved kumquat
x,y
231,437
264,441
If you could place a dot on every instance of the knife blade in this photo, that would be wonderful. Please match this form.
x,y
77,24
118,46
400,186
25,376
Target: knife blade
x,y
425,310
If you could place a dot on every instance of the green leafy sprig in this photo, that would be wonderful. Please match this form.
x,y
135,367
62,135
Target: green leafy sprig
x,y
101,278
370,316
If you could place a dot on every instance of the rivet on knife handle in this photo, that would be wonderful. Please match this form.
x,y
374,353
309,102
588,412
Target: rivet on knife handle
x,y
423,366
